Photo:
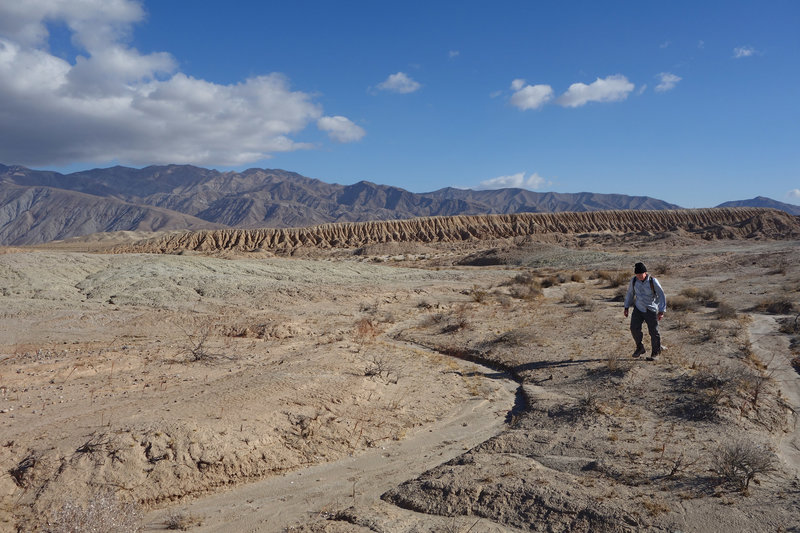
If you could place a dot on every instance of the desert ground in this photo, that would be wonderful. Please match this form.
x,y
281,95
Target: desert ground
x,y
401,387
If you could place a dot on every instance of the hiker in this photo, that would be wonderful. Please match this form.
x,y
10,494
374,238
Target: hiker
x,y
650,303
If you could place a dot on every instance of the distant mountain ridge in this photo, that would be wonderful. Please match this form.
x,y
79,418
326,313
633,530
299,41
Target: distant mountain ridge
x,y
762,201
39,206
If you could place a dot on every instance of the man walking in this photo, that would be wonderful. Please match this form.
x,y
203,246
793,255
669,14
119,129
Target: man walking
x,y
650,303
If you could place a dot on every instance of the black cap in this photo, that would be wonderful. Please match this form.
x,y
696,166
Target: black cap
x,y
639,268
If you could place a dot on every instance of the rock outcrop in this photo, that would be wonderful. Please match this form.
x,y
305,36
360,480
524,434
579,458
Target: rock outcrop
x,y
701,223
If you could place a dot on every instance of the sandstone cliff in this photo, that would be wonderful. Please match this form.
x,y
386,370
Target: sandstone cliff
x,y
701,223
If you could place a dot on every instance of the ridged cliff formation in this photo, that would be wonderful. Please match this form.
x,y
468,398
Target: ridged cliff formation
x,y
713,223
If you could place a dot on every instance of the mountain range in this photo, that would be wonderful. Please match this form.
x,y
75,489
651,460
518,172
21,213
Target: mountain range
x,y
39,206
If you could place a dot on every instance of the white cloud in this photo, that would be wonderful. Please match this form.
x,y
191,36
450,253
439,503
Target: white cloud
x,y
399,83
641,90
665,44
668,82
609,89
453,53
518,181
743,51
530,96
113,103
794,193
341,129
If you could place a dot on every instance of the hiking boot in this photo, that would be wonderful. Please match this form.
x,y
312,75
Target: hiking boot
x,y
639,351
654,355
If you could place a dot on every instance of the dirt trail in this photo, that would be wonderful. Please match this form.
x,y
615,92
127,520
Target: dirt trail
x,y
276,503
772,347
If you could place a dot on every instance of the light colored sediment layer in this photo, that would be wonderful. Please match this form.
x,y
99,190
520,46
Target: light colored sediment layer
x,y
705,223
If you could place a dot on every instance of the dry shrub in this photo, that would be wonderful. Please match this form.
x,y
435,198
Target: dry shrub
x,y
455,324
738,463
525,278
707,334
526,292
776,306
682,303
725,311
525,286
181,520
615,278
552,281
514,338
790,325
380,366
663,268
198,342
705,297
478,295
102,512
577,277
365,329
573,296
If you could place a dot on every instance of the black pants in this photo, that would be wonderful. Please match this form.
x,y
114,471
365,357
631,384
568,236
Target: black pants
x,y
651,317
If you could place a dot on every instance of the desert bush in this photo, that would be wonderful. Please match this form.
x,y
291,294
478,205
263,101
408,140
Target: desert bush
x,y
682,303
705,297
181,520
725,311
619,294
790,325
776,306
526,292
755,387
304,425
434,319
525,286
710,388
365,329
615,279
662,268
103,512
739,462
198,344
573,296
454,324
587,404
380,366
707,334
552,281
424,304
577,277
478,295
525,278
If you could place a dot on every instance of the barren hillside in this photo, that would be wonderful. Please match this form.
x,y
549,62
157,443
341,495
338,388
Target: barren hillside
x,y
698,223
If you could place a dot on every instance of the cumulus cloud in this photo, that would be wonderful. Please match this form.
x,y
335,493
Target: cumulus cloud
x,y
608,89
743,51
399,83
794,194
668,82
113,103
518,181
341,129
530,96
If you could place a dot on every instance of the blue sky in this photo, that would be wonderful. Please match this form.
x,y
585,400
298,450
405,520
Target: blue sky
x,y
695,103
